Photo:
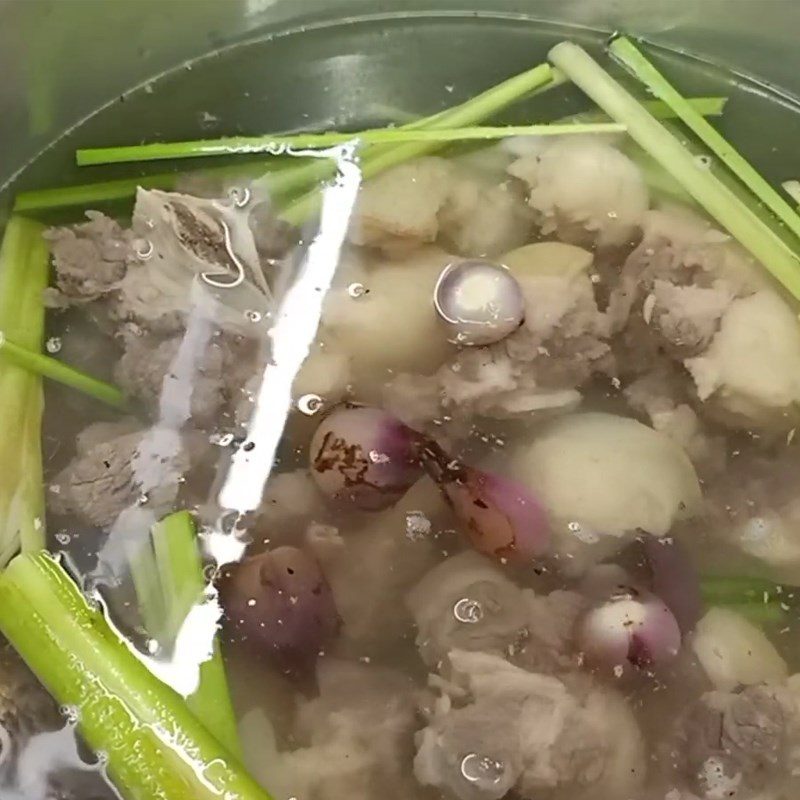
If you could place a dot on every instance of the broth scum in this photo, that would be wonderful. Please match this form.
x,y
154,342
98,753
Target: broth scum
x,y
541,546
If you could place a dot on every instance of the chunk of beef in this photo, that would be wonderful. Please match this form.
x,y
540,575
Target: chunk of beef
x,y
90,259
584,189
484,217
550,642
467,603
537,369
25,707
397,554
498,727
399,209
674,288
732,743
107,477
202,258
215,382
665,398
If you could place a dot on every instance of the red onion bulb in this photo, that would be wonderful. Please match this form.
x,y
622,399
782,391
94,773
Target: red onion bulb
x,y
630,629
364,457
674,580
501,517
480,302
279,603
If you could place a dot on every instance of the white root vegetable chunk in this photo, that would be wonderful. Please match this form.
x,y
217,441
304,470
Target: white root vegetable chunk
x,y
484,218
476,212
400,207
733,651
325,373
774,537
391,323
751,370
548,259
602,476
585,189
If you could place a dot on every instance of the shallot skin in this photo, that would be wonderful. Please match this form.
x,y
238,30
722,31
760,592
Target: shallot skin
x,y
364,457
502,518
279,604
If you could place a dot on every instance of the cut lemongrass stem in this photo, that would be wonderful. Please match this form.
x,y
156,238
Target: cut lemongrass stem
x,y
706,106
24,269
89,194
305,178
487,103
281,145
626,53
738,589
86,195
792,188
712,194
153,744
56,370
178,562
150,600
472,112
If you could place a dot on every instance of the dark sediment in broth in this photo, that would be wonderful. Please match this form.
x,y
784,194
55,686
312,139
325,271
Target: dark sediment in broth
x,y
647,398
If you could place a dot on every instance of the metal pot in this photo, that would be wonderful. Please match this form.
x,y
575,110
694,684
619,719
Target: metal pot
x,y
61,60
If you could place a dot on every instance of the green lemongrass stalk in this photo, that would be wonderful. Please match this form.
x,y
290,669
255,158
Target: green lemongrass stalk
x,y
29,328
762,601
154,745
479,108
706,106
470,113
24,265
753,233
182,581
626,53
278,145
39,364
168,579
280,182
31,498
87,195
737,588
658,180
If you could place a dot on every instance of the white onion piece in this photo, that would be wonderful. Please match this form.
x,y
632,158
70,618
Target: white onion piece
x,y
480,302
612,474
631,629
364,457
733,651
